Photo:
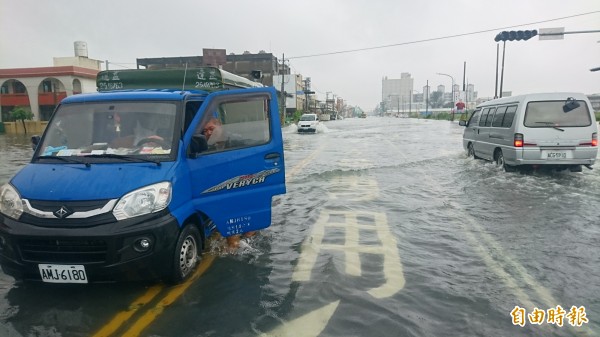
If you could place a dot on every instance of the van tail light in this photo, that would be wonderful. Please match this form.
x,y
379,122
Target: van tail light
x,y
594,141
518,140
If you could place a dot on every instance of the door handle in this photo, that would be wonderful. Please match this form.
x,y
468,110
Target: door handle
x,y
272,155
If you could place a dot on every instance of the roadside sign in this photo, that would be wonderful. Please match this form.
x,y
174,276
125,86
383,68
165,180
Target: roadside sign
x,y
551,33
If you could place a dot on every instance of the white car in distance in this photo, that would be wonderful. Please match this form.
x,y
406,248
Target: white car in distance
x,y
308,123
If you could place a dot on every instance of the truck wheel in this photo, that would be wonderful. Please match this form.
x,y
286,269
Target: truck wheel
x,y
187,255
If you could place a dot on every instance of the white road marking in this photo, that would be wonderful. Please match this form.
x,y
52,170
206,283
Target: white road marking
x,y
353,188
392,265
309,325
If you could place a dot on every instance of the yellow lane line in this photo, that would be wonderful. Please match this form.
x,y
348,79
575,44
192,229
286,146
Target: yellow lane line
x,y
291,173
123,316
171,296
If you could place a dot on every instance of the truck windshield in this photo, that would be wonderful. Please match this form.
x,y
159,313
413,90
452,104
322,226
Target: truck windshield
x,y
550,114
116,128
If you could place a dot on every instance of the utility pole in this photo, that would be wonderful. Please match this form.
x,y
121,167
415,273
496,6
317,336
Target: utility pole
x,y
464,75
502,75
427,100
497,59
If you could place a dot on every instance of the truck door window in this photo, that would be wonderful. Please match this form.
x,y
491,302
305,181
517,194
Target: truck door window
x,y
190,111
236,124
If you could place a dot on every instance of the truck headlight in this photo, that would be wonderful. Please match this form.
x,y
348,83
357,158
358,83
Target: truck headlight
x,y
10,202
146,200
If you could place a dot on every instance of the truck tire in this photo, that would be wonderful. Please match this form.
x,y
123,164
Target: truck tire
x,y
187,254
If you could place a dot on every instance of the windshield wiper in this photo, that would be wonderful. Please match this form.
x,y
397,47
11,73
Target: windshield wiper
x,y
553,126
65,159
118,156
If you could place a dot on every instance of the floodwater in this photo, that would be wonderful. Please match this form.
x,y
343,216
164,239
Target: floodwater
x,y
387,229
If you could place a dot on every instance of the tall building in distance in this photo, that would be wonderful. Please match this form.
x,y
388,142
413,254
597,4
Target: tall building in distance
x,y
396,93
426,91
471,93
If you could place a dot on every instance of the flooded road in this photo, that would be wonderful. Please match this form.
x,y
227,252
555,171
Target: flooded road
x,y
387,229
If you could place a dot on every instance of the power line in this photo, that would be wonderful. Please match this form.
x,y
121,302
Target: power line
x,y
122,65
439,38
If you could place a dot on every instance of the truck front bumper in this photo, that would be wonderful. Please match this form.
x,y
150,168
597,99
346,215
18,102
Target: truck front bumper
x,y
109,252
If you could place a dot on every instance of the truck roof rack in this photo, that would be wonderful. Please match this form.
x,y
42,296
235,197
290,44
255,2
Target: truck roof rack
x,y
204,78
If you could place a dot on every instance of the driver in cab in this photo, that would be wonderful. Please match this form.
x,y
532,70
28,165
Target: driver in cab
x,y
144,133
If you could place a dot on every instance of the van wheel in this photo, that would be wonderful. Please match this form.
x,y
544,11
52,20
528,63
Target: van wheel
x,y
576,168
471,151
187,254
501,163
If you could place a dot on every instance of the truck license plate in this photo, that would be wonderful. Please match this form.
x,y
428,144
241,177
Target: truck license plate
x,y
60,273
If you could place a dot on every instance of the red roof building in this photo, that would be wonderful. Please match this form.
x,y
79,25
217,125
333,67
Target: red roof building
x,y
41,89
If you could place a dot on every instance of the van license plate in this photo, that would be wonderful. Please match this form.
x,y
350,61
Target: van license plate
x,y
60,273
556,155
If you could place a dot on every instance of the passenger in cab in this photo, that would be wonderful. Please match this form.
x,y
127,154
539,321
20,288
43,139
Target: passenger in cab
x,y
213,132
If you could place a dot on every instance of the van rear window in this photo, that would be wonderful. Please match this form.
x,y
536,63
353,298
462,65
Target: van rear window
x,y
548,114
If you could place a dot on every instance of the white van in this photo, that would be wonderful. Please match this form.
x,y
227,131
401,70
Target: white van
x,y
555,130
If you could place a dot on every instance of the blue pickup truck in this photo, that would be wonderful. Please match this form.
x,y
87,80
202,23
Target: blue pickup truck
x,y
128,183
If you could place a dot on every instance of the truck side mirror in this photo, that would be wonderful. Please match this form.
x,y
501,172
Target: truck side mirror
x,y
198,145
35,140
462,123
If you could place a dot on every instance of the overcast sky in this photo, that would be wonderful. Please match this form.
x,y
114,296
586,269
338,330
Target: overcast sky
x,y
33,32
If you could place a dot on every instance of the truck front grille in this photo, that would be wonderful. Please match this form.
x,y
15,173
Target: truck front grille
x,y
63,250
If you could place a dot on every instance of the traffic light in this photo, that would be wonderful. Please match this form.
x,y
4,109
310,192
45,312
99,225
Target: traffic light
x,y
515,35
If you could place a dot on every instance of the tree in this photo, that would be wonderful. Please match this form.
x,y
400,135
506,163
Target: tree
x,y
18,113
435,99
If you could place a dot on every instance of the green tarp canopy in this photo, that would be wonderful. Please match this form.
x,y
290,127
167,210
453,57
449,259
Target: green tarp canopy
x,y
205,78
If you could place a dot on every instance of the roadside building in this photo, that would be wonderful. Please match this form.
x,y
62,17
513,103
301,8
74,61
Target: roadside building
x,y
40,89
261,67
293,85
396,93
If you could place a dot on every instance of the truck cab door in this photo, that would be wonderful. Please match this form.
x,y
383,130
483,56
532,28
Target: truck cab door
x,y
235,158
